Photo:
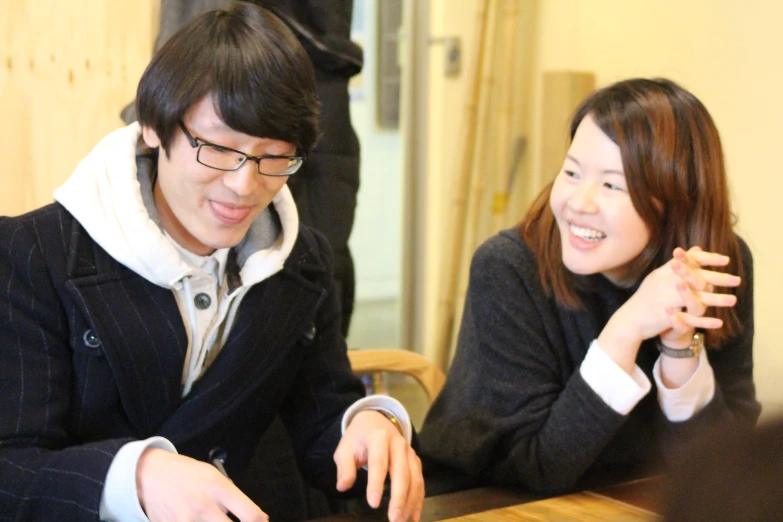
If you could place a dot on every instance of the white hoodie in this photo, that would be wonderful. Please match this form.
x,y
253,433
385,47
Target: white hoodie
x,y
114,204
113,201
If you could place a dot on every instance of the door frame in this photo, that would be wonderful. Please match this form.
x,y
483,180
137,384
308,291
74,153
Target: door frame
x,y
414,125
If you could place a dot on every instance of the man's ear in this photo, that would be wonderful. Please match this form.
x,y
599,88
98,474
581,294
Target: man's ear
x,y
150,137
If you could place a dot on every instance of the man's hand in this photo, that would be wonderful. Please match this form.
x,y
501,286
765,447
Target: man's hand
x,y
176,488
372,440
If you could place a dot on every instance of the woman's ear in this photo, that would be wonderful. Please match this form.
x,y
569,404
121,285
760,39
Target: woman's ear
x,y
150,137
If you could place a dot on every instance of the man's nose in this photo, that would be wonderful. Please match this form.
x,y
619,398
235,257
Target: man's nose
x,y
244,180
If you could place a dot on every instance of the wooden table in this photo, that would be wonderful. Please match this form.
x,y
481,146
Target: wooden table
x,y
639,500
632,502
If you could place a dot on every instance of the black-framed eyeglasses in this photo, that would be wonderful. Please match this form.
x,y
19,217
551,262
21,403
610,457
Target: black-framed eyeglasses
x,y
223,158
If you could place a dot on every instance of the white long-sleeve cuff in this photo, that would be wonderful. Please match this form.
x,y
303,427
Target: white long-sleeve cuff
x,y
381,402
620,391
680,404
120,499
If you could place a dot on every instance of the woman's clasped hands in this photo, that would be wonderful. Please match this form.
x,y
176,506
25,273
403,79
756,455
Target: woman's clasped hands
x,y
695,287
672,302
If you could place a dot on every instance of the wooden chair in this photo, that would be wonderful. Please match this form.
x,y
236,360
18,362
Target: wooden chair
x,y
427,374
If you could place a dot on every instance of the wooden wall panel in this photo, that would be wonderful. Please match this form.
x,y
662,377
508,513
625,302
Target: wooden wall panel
x,y
66,71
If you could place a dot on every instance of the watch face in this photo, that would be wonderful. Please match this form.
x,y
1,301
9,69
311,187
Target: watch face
x,y
697,343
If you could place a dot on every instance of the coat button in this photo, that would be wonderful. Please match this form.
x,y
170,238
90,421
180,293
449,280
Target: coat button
x,y
90,339
310,333
202,301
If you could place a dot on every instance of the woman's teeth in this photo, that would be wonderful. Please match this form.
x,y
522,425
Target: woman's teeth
x,y
588,234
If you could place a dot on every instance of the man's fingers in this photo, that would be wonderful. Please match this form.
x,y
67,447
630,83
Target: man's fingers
x,y
400,479
246,512
240,505
416,487
345,459
377,466
213,514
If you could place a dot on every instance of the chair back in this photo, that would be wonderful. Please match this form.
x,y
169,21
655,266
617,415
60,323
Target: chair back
x,y
427,374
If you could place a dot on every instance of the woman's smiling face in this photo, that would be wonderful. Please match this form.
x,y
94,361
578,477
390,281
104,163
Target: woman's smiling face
x,y
600,230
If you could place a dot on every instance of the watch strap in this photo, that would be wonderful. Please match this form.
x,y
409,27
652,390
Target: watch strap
x,y
392,418
696,346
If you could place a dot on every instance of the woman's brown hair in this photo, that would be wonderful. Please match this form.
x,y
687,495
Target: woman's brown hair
x,y
673,164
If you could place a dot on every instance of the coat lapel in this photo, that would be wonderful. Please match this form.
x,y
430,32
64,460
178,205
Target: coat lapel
x,y
142,337
272,318
138,327
144,340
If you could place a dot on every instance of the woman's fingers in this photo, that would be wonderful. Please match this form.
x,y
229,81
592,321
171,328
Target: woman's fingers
x,y
704,280
720,278
678,326
692,300
696,303
721,300
691,276
693,321
697,256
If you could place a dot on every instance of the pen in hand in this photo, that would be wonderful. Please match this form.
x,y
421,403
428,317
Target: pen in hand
x,y
217,457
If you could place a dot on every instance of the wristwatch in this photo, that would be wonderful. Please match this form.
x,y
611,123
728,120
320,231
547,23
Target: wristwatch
x,y
693,350
392,418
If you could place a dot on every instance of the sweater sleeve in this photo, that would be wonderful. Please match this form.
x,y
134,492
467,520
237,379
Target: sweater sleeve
x,y
513,409
621,391
680,404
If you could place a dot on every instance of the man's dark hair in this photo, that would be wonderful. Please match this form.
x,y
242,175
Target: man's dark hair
x,y
260,78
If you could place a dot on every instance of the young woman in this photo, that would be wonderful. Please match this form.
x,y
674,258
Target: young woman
x,y
581,351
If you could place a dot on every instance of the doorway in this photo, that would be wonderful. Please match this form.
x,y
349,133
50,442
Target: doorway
x,y
377,239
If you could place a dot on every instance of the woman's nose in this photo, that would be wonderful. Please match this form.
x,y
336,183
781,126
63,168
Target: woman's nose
x,y
583,200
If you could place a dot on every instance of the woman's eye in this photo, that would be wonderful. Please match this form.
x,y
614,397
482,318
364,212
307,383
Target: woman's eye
x,y
571,174
612,186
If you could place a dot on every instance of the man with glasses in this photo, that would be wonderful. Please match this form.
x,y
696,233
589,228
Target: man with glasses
x,y
223,158
159,315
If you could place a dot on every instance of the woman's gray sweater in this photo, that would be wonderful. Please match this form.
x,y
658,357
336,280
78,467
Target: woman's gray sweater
x,y
515,409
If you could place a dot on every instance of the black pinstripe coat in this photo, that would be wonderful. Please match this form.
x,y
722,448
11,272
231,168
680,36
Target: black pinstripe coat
x,y
91,357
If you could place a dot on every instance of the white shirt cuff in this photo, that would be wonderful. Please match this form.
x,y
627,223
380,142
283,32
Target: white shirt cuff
x,y
381,402
680,404
620,391
120,500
